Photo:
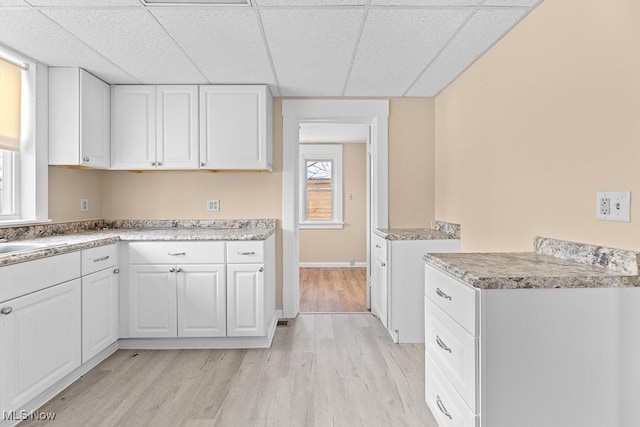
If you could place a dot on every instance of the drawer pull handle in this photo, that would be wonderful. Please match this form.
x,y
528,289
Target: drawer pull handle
x,y
179,270
261,269
442,408
172,270
378,246
384,264
246,253
6,310
442,345
442,294
176,253
104,258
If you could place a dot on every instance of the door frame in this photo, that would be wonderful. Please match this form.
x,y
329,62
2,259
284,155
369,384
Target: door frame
x,y
374,113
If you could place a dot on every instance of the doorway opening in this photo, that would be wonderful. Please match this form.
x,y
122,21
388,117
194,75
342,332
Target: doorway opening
x,y
334,217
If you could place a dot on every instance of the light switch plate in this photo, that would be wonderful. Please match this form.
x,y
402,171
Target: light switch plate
x,y
613,206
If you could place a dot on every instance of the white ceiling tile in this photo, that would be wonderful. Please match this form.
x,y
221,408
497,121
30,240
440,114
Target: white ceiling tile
x,y
527,3
132,39
483,30
287,3
312,48
396,45
85,3
225,43
31,33
443,3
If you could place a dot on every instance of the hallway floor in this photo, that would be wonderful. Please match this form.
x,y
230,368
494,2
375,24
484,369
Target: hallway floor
x,y
333,290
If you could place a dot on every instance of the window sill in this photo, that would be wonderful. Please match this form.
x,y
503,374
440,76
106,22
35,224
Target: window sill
x,y
18,222
321,225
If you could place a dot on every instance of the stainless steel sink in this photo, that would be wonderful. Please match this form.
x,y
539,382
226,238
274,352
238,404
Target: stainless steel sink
x,y
6,248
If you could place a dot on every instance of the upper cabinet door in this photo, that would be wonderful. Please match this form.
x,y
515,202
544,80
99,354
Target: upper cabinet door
x,y
236,127
133,127
95,113
177,127
79,119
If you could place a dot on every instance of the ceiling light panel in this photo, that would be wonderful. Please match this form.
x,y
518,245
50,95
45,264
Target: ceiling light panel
x,y
287,3
132,39
84,3
483,30
430,3
225,43
31,33
396,45
312,48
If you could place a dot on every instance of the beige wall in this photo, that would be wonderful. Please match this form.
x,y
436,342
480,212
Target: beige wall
x,y
411,162
67,187
350,242
550,115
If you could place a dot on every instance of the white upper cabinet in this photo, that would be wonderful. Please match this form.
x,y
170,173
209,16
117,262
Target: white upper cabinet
x,y
154,127
79,119
236,123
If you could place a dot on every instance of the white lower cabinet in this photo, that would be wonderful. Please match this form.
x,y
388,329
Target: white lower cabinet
x,y
99,311
41,342
152,301
202,297
246,300
379,289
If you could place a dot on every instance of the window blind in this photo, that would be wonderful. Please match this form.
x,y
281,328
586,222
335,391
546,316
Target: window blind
x,y
10,105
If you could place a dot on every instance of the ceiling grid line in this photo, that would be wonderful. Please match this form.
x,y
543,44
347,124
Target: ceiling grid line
x,y
357,45
476,9
256,10
37,10
174,41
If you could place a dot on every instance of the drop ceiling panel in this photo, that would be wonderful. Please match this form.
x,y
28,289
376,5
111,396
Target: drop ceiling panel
x,y
483,30
84,3
262,3
312,48
396,45
37,37
10,3
225,43
132,39
443,3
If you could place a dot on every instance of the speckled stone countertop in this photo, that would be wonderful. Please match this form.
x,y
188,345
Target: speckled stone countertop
x,y
78,236
439,231
553,264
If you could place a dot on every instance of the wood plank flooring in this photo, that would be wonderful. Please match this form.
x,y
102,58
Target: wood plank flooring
x,y
333,290
323,370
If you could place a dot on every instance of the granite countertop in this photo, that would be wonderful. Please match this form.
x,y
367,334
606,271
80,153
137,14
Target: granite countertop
x,y
77,238
553,264
439,231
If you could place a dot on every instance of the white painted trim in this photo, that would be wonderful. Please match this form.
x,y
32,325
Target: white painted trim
x,y
371,112
332,264
279,314
310,225
52,391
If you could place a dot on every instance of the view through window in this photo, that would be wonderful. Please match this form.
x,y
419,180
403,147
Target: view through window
x,y
319,190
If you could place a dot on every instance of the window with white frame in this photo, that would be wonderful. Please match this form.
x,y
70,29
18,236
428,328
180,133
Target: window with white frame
x,y
320,186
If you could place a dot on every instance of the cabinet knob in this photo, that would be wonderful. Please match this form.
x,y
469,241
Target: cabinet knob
x,y
203,163
116,271
384,264
172,270
85,159
378,246
179,270
6,310
153,163
261,269
158,163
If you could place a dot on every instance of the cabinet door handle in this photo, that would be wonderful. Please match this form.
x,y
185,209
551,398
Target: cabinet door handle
x,y
442,294
158,163
378,246
246,253
176,253
442,345
104,258
178,270
6,310
172,270
384,264
203,164
153,164
116,271
261,269
85,159
442,408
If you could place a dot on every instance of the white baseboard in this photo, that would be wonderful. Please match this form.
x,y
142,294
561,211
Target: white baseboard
x,y
331,264
279,314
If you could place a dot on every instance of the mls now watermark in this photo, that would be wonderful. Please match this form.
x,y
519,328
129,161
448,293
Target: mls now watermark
x,y
28,415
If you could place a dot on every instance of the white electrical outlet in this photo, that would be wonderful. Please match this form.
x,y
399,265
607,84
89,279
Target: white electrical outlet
x,y
613,206
213,205
84,205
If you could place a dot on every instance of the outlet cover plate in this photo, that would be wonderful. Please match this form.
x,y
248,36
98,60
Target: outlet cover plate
x,y
213,205
613,206
84,205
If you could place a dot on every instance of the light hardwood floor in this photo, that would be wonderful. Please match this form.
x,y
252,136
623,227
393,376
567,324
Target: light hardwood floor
x,y
323,370
333,290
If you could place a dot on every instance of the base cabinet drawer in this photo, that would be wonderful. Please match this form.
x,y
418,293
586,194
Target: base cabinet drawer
x,y
446,405
456,299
